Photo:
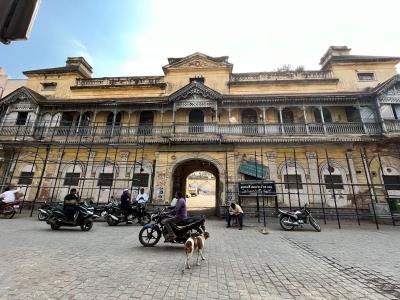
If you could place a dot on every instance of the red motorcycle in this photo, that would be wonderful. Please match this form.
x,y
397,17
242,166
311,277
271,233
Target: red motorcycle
x,y
8,209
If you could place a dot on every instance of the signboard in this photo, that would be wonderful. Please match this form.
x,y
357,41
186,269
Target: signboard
x,y
254,169
257,188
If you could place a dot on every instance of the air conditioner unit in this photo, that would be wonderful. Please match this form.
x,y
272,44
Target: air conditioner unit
x,y
16,19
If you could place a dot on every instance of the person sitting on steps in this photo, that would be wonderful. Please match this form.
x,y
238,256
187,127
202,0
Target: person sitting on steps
x,y
235,211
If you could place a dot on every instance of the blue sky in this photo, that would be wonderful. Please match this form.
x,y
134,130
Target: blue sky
x,y
135,37
75,28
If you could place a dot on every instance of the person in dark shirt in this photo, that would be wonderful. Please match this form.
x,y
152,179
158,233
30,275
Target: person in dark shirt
x,y
178,214
71,202
126,205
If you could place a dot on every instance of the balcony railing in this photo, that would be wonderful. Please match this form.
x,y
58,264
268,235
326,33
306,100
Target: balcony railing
x,y
104,131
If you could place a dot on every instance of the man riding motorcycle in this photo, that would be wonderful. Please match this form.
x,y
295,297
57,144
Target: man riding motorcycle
x,y
71,202
9,195
126,205
177,214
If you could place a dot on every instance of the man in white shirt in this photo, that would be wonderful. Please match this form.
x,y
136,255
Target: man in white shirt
x,y
142,197
9,195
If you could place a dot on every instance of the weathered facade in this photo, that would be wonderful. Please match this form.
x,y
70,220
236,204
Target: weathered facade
x,y
323,136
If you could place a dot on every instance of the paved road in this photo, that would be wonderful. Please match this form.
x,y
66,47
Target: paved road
x,y
109,263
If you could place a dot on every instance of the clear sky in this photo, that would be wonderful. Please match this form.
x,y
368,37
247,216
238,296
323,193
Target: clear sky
x,y
129,37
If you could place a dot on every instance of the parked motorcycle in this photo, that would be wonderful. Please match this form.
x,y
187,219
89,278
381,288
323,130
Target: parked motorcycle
x,y
291,219
114,215
151,233
8,210
84,217
45,209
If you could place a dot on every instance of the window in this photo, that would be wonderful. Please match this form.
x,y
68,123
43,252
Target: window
x,y
392,182
352,114
21,118
105,179
48,86
72,179
292,183
365,76
26,178
326,113
140,180
197,79
334,182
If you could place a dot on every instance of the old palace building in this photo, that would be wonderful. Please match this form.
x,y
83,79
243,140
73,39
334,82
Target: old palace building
x,y
325,137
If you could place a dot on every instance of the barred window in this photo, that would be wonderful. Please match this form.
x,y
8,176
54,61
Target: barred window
x,y
392,182
140,180
26,178
72,178
105,179
292,183
334,182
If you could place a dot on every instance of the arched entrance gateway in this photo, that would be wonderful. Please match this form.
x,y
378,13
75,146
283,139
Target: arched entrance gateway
x,y
179,182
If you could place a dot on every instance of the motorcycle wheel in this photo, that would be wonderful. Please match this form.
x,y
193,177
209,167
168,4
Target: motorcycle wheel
x,y
55,226
282,221
146,219
111,221
149,237
315,224
41,216
87,226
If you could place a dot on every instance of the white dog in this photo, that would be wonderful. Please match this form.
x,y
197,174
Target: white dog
x,y
195,242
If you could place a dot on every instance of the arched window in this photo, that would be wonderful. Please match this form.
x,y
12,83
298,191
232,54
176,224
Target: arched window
x,y
249,116
146,118
145,123
110,119
196,120
326,113
287,116
196,116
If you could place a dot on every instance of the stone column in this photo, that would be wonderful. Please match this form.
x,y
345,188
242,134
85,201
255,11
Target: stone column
x,y
379,113
89,182
305,119
273,173
362,121
353,173
281,120
173,118
322,118
313,167
122,182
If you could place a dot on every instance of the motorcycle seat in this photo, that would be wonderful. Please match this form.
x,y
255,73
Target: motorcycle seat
x,y
188,221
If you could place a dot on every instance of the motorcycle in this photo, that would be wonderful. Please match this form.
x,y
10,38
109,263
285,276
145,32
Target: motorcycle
x,y
291,219
44,210
114,215
84,217
151,233
8,209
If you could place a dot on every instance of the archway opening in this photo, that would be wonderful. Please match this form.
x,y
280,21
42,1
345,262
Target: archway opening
x,y
199,177
200,191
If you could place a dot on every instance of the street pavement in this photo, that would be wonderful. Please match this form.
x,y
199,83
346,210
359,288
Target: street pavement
x,y
109,263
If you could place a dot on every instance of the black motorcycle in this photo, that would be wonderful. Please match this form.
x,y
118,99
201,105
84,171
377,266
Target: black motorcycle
x,y
45,209
291,219
151,233
83,217
114,214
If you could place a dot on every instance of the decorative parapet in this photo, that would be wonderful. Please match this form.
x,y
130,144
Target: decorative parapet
x,y
274,76
120,81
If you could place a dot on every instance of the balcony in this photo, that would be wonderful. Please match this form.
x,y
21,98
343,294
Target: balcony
x,y
158,133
